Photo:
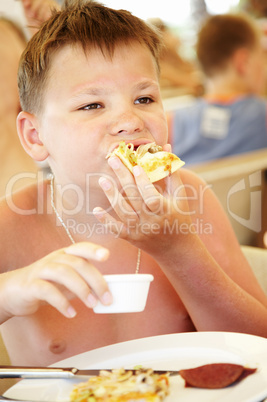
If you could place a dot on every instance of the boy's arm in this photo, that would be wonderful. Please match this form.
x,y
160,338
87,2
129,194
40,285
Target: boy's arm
x,y
207,270
215,300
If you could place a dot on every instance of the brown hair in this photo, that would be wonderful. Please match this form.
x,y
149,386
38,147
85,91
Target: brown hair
x,y
220,37
88,23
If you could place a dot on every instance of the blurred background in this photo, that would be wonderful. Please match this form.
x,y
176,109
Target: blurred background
x,y
181,16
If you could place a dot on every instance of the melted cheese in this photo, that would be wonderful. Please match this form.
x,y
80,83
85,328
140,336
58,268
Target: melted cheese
x,y
156,165
122,386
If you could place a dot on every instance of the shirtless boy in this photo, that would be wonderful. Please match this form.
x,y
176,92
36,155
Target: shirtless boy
x,y
88,80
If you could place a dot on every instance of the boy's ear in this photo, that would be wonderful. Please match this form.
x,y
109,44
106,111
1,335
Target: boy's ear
x,y
27,127
240,60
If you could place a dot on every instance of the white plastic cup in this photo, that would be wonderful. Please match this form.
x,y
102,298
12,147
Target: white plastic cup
x,y
129,293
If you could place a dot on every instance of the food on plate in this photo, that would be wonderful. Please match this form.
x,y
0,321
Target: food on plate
x,y
156,163
145,385
215,375
119,385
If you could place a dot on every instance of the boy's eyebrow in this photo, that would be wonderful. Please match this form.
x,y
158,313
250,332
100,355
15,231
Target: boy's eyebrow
x,y
91,91
96,91
147,84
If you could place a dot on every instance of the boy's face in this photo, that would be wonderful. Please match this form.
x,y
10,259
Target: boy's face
x,y
93,102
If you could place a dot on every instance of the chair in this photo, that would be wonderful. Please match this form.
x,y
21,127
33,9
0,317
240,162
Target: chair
x,y
4,361
239,182
257,258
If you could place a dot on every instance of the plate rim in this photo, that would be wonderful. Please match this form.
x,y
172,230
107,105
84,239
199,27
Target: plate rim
x,y
230,339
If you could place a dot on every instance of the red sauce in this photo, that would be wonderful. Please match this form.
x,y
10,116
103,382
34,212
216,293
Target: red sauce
x,y
216,375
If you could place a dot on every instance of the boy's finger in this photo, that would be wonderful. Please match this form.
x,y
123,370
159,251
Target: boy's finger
x,y
88,250
167,148
126,180
152,198
48,293
77,276
115,227
174,184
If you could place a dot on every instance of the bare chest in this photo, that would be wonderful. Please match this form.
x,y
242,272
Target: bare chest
x,y
48,337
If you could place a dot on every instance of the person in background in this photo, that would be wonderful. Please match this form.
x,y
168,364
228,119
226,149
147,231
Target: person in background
x,y
231,118
37,12
257,8
13,158
176,73
17,168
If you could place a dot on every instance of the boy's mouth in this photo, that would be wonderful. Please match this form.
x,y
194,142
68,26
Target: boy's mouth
x,y
136,143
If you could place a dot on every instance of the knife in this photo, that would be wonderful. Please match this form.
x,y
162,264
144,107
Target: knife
x,y
57,372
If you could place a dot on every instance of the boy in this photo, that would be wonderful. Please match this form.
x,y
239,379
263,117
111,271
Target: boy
x,y
231,118
88,80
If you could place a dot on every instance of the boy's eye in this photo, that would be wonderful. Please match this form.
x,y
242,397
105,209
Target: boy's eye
x,y
91,106
144,100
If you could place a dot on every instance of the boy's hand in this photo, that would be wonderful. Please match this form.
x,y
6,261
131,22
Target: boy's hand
x,y
147,216
55,279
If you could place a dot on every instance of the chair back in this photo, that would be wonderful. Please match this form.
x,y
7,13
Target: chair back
x,y
257,258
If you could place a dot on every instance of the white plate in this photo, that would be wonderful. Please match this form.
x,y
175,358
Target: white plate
x,y
167,352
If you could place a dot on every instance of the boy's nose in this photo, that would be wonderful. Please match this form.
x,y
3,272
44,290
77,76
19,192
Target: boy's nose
x,y
126,123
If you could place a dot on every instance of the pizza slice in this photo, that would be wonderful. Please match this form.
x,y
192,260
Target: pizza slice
x,y
121,385
156,163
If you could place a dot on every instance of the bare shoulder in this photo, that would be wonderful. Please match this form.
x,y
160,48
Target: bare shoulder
x,y
191,178
215,230
201,198
19,204
209,218
19,223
